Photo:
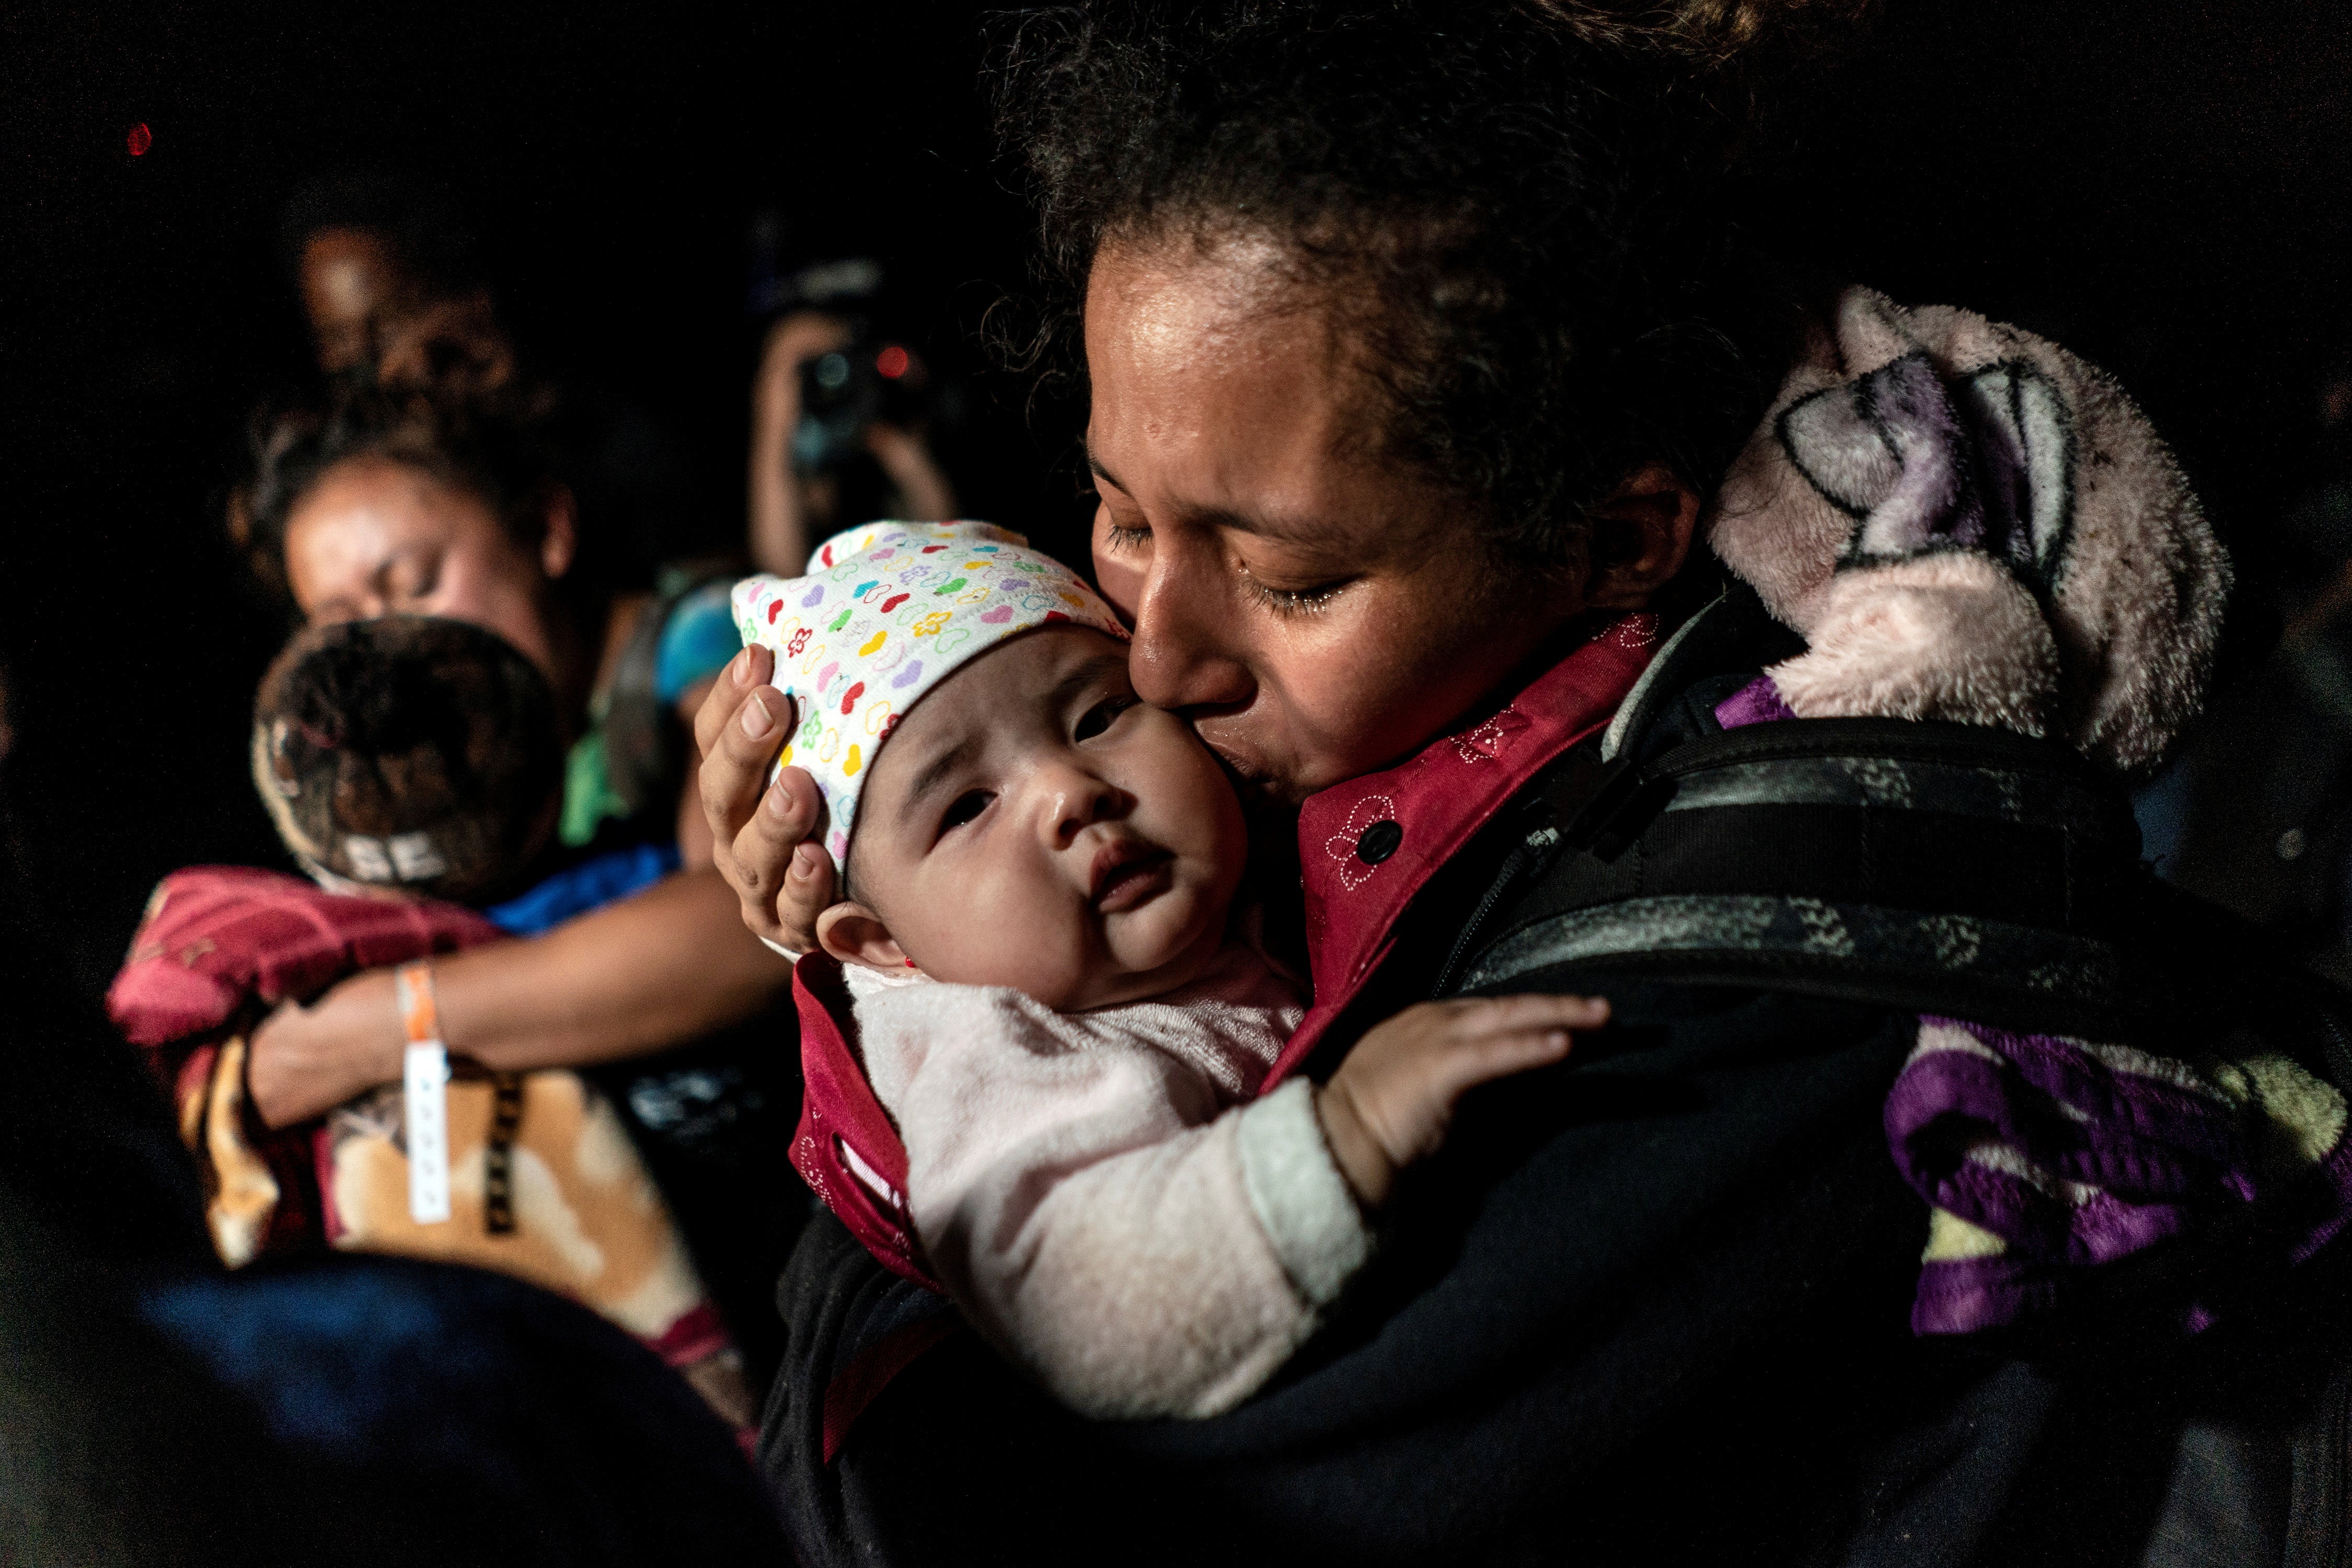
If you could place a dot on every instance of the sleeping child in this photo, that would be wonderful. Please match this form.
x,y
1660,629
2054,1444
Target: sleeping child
x,y
1058,1000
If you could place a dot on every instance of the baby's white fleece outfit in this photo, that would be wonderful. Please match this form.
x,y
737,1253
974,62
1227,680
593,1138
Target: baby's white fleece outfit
x,y
1101,1192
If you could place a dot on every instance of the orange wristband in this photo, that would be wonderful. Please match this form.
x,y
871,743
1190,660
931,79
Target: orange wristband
x,y
420,1010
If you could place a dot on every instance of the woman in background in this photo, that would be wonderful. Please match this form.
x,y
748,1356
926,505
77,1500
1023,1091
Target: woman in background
x,y
392,506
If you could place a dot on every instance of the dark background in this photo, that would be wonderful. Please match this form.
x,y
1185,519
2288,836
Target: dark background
x,y
2162,186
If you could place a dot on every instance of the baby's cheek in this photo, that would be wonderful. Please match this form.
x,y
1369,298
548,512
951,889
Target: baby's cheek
x,y
999,931
1202,814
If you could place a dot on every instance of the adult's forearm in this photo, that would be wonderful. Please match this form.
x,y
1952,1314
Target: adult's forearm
x,y
924,493
778,525
630,979
779,536
654,971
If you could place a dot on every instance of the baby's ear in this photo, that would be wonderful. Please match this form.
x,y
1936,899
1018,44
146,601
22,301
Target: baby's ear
x,y
856,934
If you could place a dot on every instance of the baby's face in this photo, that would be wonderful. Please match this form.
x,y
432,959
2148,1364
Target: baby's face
x,y
1031,823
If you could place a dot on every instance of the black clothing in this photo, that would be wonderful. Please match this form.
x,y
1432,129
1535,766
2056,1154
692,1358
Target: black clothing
x,y
2269,828
1648,1306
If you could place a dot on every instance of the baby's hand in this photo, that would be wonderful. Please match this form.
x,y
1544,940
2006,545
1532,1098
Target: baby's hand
x,y
1390,1100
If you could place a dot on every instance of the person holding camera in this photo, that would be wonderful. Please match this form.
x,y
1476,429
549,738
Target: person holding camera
x,y
831,399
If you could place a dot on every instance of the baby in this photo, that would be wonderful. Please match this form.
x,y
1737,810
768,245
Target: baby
x,y
410,759
1055,1000
410,753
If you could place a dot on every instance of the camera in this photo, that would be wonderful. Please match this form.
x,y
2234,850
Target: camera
x,y
873,379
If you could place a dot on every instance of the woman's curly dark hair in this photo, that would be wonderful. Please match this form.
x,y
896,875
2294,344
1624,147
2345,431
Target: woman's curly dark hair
x,y
499,460
1519,203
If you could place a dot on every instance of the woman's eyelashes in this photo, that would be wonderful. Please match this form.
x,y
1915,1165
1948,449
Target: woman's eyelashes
x,y
414,578
1316,592
1287,601
1121,537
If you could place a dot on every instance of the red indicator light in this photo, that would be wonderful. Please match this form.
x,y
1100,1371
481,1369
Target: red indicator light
x,y
891,362
139,139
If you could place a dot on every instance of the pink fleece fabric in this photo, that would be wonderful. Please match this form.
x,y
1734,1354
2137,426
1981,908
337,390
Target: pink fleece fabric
x,y
1967,522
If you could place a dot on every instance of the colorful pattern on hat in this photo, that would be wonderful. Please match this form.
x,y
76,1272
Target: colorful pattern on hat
x,y
885,613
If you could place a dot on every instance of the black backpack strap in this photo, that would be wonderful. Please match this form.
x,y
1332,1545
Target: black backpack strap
x,y
1928,866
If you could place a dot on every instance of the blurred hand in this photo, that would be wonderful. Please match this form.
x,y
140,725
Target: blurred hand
x,y
777,527
303,1061
792,341
763,837
1391,1102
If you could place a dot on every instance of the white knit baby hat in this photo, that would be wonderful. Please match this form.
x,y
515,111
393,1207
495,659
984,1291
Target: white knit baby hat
x,y
886,612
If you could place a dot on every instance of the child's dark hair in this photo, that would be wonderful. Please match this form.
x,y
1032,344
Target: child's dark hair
x,y
1520,203
499,459
411,751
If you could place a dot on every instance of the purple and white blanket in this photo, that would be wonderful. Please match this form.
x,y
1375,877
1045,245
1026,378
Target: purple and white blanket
x,y
2041,1156
1969,523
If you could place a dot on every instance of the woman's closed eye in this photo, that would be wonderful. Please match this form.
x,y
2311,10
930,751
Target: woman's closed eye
x,y
1310,596
1120,537
412,578
1294,601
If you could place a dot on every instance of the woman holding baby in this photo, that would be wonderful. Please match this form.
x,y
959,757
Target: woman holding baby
x,y
637,969
1458,470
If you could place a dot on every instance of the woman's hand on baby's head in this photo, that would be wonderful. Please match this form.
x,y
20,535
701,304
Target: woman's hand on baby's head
x,y
762,835
1392,1100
